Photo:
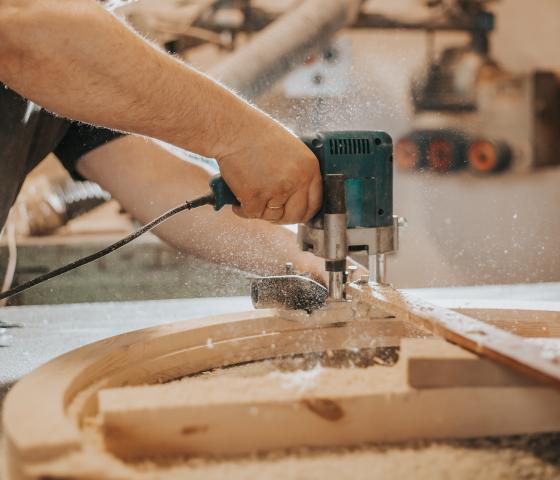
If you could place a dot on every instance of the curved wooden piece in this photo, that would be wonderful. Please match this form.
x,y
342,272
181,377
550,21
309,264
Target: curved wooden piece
x,y
436,390
44,413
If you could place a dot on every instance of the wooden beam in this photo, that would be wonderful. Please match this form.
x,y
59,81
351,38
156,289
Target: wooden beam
x,y
474,335
319,408
435,363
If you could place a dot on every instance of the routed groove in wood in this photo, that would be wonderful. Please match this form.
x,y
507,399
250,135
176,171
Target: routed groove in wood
x,y
325,408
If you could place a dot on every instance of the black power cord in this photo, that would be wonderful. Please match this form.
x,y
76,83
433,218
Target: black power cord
x,y
199,202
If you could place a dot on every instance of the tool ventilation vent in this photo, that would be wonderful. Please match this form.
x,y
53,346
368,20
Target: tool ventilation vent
x,y
350,146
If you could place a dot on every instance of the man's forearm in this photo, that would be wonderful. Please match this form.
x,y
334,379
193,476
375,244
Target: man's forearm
x,y
148,180
79,61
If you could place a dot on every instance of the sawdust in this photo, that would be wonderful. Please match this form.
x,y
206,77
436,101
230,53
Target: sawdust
x,y
275,386
498,459
533,457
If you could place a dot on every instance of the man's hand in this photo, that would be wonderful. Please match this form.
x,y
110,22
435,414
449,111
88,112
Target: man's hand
x,y
271,172
220,237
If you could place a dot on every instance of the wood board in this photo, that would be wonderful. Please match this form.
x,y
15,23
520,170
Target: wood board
x,y
521,321
328,407
43,413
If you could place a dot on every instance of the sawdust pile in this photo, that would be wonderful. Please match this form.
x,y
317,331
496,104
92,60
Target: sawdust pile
x,y
519,458
504,458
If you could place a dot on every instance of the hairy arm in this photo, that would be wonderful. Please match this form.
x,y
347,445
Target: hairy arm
x,y
148,180
79,61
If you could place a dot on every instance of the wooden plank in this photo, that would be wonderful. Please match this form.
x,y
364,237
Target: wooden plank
x,y
474,335
319,408
222,353
435,363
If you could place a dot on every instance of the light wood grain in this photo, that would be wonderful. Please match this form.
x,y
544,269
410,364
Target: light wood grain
x,y
522,322
435,363
42,414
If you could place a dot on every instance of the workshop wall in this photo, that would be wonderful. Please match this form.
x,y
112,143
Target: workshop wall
x,y
463,230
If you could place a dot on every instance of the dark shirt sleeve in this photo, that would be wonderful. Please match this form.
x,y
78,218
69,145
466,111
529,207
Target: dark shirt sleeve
x,y
79,140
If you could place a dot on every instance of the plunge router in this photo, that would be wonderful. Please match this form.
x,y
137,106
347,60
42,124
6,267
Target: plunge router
x,y
357,213
356,217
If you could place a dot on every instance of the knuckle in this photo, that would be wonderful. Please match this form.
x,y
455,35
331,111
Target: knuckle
x,y
251,190
251,211
253,195
286,186
259,194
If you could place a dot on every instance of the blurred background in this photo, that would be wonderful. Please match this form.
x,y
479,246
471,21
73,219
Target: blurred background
x,y
468,89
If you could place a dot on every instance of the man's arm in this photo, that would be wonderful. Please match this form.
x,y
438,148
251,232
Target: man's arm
x,y
79,61
148,180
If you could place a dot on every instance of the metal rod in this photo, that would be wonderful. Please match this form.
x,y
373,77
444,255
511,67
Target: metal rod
x,y
335,221
381,270
336,286
377,269
372,267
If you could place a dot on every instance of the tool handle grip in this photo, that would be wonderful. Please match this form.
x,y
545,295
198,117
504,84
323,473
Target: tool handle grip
x,y
222,193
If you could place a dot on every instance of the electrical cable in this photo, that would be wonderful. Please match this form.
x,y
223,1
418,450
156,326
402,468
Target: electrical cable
x,y
199,202
12,259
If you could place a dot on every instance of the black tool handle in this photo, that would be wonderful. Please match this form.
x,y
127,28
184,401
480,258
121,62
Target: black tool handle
x,y
222,193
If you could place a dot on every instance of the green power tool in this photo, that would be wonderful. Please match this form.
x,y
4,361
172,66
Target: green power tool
x,y
356,216
364,159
